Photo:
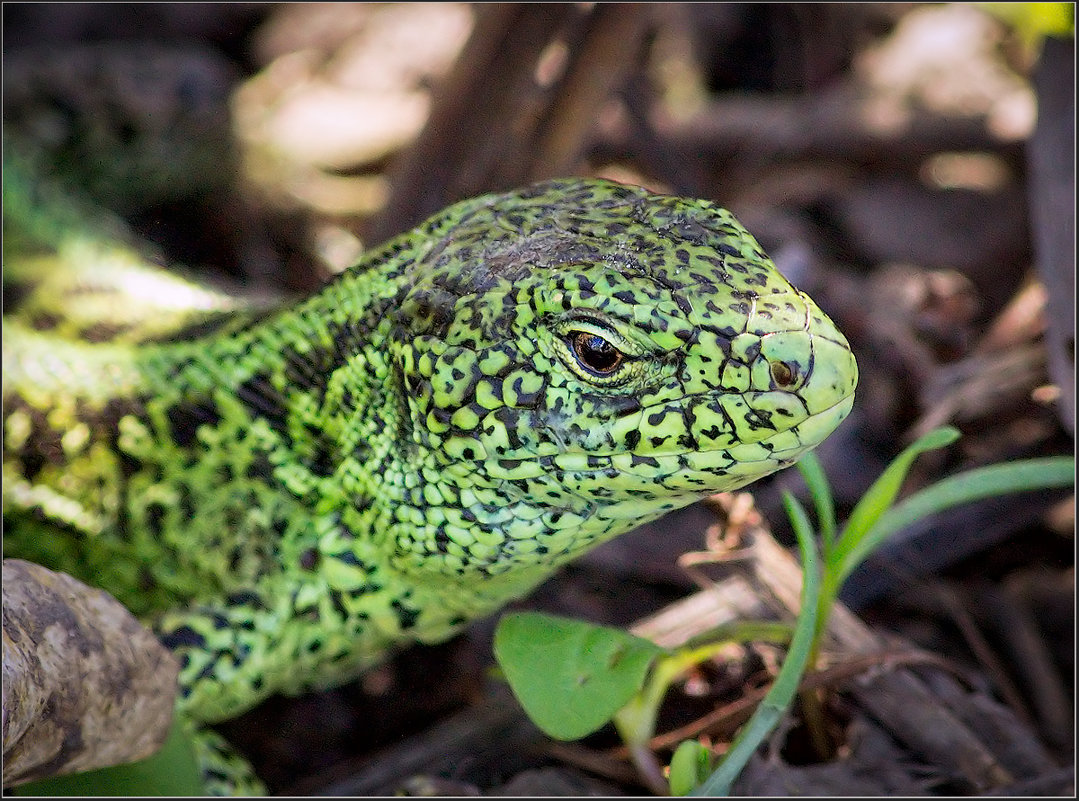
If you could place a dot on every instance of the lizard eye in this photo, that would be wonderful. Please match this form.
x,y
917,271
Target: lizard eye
x,y
594,353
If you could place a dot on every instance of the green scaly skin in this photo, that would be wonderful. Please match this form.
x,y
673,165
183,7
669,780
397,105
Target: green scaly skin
x,y
288,495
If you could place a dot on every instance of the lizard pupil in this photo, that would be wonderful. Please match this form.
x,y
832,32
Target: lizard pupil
x,y
595,353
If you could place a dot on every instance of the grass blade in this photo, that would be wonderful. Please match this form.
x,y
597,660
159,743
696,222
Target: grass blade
x,y
821,493
971,485
880,496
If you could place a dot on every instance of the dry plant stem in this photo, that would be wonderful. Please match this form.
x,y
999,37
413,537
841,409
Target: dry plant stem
x,y
1020,752
1027,649
489,731
724,721
495,67
543,126
608,765
597,69
723,541
813,715
652,152
1058,782
983,652
979,386
648,768
1021,321
827,126
1051,159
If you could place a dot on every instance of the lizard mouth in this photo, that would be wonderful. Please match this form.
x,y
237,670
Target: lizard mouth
x,y
814,429
687,471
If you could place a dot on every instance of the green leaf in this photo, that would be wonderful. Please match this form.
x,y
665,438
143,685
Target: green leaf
x,y
171,772
690,765
570,676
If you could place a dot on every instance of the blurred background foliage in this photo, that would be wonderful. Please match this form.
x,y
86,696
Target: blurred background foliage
x,y
910,165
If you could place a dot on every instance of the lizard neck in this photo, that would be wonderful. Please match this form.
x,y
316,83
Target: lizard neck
x,y
309,391
200,463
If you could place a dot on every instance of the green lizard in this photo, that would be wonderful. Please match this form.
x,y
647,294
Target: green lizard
x,y
286,494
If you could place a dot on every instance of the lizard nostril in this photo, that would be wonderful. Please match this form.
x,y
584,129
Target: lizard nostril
x,y
783,374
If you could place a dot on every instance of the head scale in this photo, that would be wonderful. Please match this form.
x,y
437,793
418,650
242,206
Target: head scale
x,y
583,356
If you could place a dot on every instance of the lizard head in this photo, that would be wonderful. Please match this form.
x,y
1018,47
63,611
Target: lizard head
x,y
582,356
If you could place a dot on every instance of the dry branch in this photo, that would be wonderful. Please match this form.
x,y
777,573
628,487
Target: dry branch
x,y
85,684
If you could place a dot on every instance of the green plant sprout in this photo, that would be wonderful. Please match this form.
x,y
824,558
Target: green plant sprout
x,y
573,677
874,519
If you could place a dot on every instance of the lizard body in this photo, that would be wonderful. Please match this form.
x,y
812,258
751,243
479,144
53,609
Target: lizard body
x,y
287,493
